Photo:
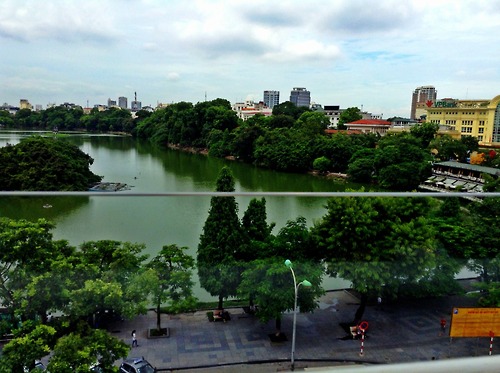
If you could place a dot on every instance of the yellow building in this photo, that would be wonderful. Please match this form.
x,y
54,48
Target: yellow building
x,y
25,104
478,118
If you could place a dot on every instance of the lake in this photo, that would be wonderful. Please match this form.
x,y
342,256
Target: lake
x,y
159,221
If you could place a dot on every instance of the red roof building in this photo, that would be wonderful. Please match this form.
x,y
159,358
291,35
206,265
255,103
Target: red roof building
x,y
369,126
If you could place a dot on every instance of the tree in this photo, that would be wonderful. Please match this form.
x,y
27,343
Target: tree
x,y
48,164
281,121
349,115
288,108
490,293
79,351
400,162
362,165
220,241
448,148
108,279
245,136
425,132
254,221
27,253
321,164
46,292
171,270
6,119
483,226
312,123
379,244
271,285
471,143
30,343
339,148
284,149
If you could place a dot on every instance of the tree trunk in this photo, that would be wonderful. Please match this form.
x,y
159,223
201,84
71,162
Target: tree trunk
x,y
43,317
486,275
158,317
220,302
361,309
278,326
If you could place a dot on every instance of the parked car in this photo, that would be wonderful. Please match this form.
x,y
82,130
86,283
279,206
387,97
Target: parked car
x,y
136,365
38,366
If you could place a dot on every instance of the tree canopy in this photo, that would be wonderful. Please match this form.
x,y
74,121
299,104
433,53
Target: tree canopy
x,y
382,245
220,242
349,115
47,164
170,279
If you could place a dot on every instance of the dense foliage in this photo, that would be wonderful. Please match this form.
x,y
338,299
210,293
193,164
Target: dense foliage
x,y
385,246
40,163
293,139
62,118
220,241
89,286
398,163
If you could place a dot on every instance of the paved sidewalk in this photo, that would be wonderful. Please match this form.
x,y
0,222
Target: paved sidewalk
x,y
403,332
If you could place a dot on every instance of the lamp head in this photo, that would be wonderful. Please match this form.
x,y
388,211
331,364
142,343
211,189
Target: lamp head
x,y
306,283
288,263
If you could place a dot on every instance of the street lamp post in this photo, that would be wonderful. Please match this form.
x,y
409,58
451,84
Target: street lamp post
x,y
296,286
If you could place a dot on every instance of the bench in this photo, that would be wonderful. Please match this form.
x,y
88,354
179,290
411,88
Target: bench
x,y
220,315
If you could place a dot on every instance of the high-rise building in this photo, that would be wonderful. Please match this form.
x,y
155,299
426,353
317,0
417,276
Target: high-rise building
x,y
271,98
300,97
122,102
25,104
111,103
135,105
422,98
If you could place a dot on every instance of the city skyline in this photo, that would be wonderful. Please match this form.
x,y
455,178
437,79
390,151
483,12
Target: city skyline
x,y
345,52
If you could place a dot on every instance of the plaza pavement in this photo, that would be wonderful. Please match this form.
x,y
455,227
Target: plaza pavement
x,y
398,333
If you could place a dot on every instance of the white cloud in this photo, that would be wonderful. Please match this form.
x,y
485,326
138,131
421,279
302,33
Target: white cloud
x,y
343,51
173,76
64,21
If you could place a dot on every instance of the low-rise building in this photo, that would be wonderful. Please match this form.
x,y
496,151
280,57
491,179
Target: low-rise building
x,y
455,176
248,109
378,126
9,108
333,113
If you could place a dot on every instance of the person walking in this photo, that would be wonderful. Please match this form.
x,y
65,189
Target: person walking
x,y
134,339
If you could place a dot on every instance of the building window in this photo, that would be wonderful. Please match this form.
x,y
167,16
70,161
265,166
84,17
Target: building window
x,y
480,130
481,122
480,138
466,130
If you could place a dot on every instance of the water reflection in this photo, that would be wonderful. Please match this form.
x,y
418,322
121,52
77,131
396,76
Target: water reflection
x,y
33,208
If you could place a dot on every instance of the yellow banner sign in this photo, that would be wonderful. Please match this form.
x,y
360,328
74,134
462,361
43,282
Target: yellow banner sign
x,y
475,322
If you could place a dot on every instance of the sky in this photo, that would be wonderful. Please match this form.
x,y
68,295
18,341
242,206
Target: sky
x,y
365,53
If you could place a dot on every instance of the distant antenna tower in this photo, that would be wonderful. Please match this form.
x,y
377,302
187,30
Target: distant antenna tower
x,y
135,96
205,96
